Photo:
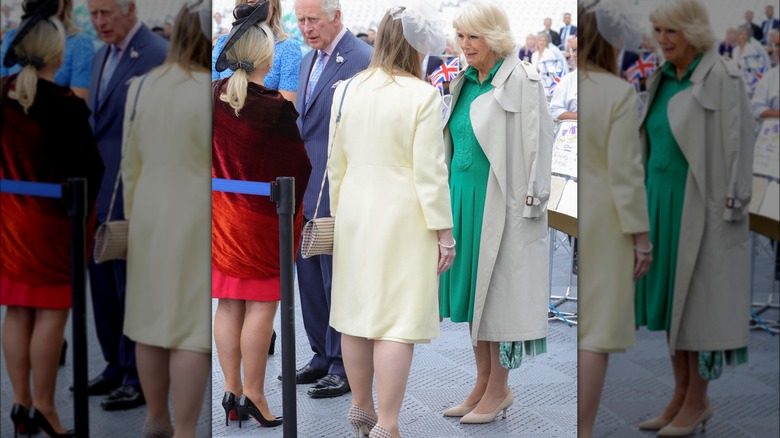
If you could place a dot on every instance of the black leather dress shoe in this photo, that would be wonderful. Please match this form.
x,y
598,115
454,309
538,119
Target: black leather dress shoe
x,y
122,398
101,385
308,374
331,385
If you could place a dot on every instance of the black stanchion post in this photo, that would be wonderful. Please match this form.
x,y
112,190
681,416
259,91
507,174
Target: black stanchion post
x,y
76,198
283,193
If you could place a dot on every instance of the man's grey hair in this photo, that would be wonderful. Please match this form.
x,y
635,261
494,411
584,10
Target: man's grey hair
x,y
125,4
329,6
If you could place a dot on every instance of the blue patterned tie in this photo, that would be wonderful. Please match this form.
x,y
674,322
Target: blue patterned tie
x,y
108,71
315,76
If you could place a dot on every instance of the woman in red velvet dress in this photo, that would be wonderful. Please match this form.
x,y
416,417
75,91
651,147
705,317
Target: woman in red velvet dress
x,y
255,139
45,138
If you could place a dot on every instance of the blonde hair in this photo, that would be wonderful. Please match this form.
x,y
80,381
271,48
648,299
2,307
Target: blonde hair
x,y
487,19
275,20
45,41
392,53
189,48
66,17
255,46
688,16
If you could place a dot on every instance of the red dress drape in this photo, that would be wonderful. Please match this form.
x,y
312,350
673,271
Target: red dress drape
x,y
261,144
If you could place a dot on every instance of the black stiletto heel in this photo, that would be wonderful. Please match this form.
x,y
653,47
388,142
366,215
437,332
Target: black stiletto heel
x,y
22,422
245,406
273,344
63,352
229,404
45,426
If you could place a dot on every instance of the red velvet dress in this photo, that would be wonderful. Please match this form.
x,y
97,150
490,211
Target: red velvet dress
x,y
261,144
50,144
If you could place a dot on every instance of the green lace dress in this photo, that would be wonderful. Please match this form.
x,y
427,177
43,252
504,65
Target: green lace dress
x,y
469,172
667,172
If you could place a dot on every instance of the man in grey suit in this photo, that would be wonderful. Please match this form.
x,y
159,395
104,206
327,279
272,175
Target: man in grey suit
x,y
131,50
337,56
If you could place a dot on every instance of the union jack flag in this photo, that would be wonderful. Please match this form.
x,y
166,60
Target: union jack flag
x,y
554,83
446,72
753,69
641,69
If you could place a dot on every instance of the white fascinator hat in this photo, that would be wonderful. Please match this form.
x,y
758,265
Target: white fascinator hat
x,y
423,28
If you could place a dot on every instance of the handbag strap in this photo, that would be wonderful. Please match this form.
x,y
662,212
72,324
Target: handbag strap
x,y
124,141
330,148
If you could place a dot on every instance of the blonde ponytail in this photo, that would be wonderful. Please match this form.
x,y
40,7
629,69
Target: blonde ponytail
x,y
253,51
43,45
236,90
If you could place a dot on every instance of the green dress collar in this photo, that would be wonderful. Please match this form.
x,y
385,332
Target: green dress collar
x,y
670,70
473,75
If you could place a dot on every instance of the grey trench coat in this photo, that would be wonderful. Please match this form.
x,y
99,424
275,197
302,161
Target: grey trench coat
x,y
515,130
713,124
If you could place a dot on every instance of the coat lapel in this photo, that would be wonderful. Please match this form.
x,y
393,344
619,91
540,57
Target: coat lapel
x,y
340,52
123,70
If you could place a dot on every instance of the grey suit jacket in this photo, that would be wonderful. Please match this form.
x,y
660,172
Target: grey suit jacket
x,y
145,51
315,122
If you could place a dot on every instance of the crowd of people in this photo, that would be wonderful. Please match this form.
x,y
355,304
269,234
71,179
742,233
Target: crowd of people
x,y
440,188
675,256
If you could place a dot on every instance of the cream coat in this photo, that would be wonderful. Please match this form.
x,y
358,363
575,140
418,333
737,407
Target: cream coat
x,y
389,193
515,130
615,207
712,123
166,172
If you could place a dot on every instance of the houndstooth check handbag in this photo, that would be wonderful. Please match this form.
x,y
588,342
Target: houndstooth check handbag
x,y
317,235
111,236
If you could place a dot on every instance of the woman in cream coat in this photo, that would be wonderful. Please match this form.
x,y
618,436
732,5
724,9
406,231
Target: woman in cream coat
x,y
390,198
613,226
504,159
707,114
167,193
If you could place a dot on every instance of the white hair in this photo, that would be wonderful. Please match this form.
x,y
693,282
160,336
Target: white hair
x,y
125,4
329,6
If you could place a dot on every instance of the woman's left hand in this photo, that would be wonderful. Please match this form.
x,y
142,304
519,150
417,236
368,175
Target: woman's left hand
x,y
446,255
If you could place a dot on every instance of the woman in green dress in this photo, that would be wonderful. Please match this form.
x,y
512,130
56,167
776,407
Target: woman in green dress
x,y
498,143
698,135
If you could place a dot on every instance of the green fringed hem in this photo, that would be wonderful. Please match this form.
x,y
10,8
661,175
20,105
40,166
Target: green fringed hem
x,y
510,354
711,362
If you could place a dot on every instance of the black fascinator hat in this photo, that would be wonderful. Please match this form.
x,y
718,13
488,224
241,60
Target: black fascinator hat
x,y
34,12
246,16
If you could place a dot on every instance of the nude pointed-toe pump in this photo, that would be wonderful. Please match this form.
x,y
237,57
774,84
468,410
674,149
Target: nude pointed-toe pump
x,y
472,418
458,411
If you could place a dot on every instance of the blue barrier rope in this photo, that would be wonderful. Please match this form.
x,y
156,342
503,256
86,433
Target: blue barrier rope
x,y
48,190
242,187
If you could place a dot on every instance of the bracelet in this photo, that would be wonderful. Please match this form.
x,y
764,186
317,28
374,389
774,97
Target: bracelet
x,y
643,250
448,246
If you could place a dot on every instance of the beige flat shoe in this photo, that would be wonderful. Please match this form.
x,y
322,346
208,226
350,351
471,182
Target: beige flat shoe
x,y
472,418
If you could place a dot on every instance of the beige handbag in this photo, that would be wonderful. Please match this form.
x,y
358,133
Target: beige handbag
x,y
317,236
111,236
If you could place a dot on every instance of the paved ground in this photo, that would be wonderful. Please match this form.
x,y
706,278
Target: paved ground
x,y
442,375
745,399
